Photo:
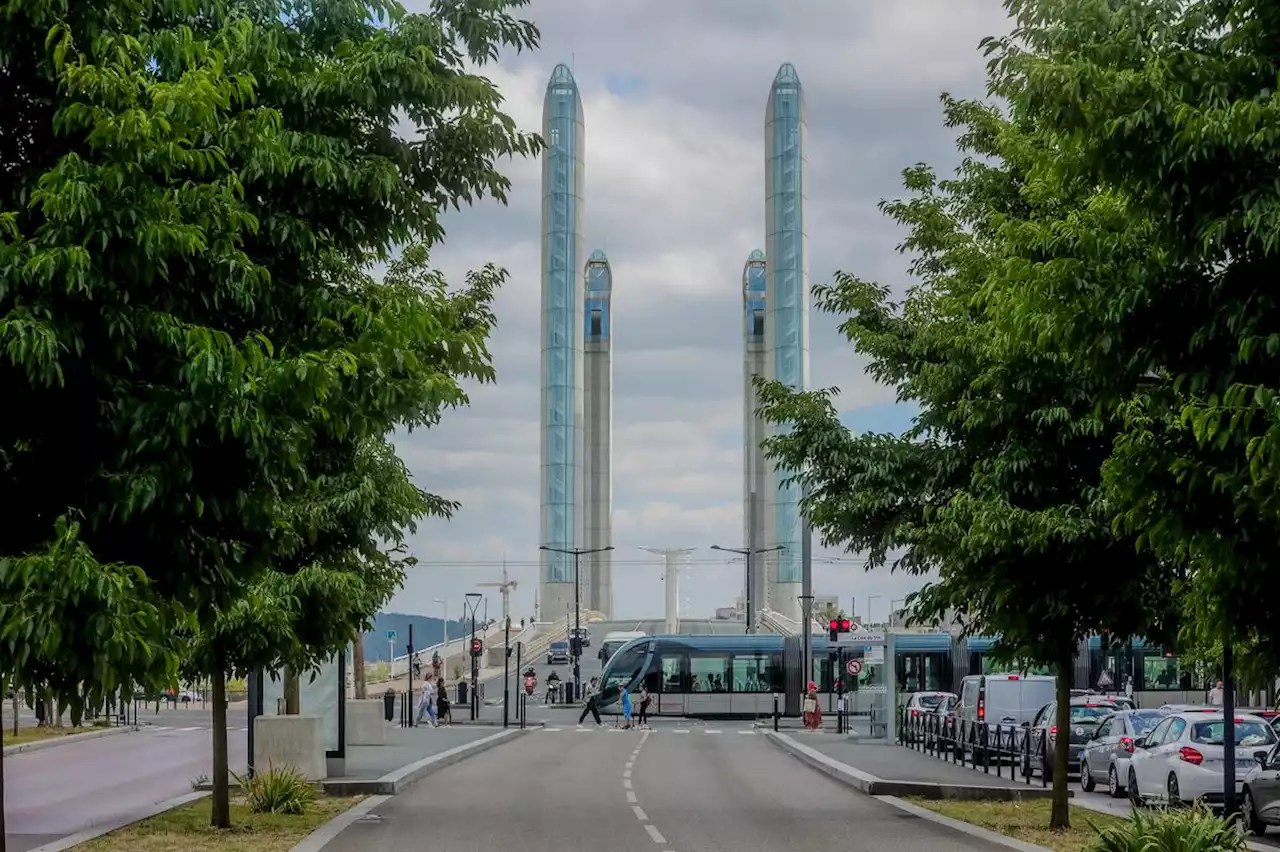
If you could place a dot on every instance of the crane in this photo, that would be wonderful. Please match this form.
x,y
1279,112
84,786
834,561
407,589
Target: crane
x,y
504,588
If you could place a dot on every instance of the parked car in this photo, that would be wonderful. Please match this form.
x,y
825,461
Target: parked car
x,y
1182,758
1085,714
1260,801
921,704
1106,754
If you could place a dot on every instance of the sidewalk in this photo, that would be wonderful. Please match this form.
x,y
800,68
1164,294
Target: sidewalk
x,y
890,770
413,753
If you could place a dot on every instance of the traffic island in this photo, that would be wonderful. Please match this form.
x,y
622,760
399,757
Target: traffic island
x,y
1025,822
187,827
38,739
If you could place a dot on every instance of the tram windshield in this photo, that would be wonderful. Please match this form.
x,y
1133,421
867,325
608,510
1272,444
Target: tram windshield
x,y
625,668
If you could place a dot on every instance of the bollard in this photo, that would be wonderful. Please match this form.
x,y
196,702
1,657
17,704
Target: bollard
x,y
775,712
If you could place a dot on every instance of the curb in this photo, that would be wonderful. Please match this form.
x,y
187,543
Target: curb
x,y
54,742
864,782
396,781
106,828
324,835
963,827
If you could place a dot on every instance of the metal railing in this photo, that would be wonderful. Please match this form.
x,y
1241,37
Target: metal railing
x,y
976,745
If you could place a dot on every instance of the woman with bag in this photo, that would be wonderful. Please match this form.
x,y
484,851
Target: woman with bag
x,y
812,714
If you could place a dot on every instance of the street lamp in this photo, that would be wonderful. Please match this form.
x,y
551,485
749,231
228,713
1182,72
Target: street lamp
x,y
470,604
576,644
747,553
445,608
870,598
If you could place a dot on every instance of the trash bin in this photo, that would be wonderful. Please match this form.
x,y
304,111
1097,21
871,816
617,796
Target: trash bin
x,y
389,704
568,692
462,692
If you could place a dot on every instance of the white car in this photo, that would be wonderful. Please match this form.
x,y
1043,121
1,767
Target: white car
x,y
1182,758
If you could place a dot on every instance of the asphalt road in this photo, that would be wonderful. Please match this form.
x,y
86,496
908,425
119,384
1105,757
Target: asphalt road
x,y
632,791
59,791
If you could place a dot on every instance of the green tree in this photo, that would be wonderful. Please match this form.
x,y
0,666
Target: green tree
x,y
188,192
1171,105
997,485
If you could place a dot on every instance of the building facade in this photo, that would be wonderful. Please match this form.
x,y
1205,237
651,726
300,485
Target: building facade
x,y
786,328
756,473
597,568
562,402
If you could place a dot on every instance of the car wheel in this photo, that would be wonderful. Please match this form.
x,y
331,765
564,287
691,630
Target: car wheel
x,y
1172,792
1135,798
1113,783
1251,819
1086,778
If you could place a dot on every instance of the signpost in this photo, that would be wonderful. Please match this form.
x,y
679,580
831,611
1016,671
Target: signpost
x,y
391,640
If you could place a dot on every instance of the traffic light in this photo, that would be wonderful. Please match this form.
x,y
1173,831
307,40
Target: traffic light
x,y
845,625
477,647
834,634
575,647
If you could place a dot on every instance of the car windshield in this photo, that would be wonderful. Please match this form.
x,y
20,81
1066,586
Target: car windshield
x,y
1248,733
1090,712
928,701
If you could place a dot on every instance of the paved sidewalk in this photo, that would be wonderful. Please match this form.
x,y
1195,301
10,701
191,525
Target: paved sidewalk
x,y
879,769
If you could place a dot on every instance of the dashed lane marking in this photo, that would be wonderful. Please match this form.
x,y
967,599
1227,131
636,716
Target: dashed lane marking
x,y
655,834
640,814
631,796
626,782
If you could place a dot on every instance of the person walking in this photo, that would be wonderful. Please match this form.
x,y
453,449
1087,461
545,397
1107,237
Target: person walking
x,y
427,703
812,714
645,698
1215,695
593,690
626,707
444,714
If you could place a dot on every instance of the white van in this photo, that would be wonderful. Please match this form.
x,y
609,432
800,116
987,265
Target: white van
x,y
1003,699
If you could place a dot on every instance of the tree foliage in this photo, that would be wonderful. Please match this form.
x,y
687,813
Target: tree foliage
x,y
997,487
1171,106
189,190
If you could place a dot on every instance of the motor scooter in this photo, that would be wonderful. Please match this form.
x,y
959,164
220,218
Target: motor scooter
x,y
530,683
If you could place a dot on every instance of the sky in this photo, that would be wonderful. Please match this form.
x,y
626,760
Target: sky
x,y
674,99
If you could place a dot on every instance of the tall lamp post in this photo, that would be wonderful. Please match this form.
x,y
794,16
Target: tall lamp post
x,y
747,553
470,604
575,643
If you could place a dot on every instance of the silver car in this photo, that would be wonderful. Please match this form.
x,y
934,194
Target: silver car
x,y
1261,802
1106,755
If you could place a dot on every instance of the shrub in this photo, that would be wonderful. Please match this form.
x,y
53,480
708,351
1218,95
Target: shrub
x,y
277,791
1195,830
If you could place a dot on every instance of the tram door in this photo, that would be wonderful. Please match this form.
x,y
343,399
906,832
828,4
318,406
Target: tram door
x,y
667,681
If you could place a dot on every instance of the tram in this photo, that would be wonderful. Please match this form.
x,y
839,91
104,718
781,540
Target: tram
x,y
708,675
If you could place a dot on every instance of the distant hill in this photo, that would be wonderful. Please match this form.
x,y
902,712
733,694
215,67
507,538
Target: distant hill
x,y
426,632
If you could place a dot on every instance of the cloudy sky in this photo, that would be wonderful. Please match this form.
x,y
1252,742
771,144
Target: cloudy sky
x,y
674,96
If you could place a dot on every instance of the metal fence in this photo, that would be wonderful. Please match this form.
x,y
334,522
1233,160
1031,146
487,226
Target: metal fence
x,y
978,745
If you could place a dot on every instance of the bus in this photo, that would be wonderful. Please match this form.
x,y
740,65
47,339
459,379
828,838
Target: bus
x,y
613,641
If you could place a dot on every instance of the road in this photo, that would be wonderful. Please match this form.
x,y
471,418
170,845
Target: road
x,y
59,791
628,791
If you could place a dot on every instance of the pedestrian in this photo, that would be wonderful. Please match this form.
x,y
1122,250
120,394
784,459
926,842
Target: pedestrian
x,y
427,703
645,698
626,707
1215,695
443,712
812,714
593,690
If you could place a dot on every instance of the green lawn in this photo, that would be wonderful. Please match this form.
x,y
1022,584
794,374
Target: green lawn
x,y
1027,821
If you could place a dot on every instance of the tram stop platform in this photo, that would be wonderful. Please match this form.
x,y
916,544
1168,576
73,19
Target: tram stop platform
x,y
881,769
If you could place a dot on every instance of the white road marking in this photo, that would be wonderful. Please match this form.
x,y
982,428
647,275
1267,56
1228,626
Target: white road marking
x,y
680,731
551,730
714,732
655,834
631,796
185,730
629,765
626,782
747,732
626,773
640,814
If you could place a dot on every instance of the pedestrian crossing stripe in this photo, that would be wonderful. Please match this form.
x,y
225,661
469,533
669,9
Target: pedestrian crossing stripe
x,y
585,730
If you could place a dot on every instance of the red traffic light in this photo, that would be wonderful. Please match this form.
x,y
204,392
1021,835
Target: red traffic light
x,y
844,625
835,624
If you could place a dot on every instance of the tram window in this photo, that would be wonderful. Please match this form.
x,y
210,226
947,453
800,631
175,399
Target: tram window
x,y
671,672
709,673
751,674
625,667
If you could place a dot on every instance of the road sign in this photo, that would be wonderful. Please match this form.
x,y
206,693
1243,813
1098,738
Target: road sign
x,y
391,636
853,667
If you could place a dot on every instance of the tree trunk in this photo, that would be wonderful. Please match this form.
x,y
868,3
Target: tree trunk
x,y
15,733
292,692
357,665
221,816
15,727
1060,815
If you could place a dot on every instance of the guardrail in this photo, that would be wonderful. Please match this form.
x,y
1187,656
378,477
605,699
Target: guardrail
x,y
978,745
459,645
784,625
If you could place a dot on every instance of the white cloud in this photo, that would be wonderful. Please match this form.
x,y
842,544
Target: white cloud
x,y
675,194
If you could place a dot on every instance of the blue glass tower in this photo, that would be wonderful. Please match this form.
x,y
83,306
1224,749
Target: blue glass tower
x,y
786,310
597,471
563,263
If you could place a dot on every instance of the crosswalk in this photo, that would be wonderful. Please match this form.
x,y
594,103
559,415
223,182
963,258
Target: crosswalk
x,y
583,729
160,729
